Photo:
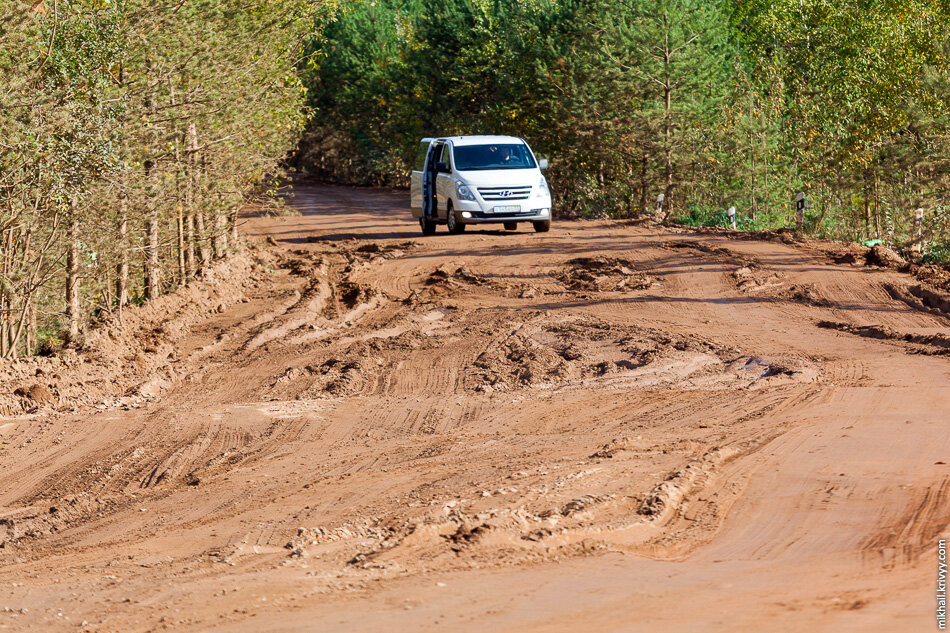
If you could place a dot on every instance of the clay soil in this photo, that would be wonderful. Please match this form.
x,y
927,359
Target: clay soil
x,y
608,427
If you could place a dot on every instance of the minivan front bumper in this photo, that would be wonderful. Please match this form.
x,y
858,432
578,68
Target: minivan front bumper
x,y
477,212
479,217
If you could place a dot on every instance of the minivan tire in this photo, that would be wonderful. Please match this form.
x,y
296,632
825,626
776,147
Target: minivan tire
x,y
542,226
427,225
511,226
452,221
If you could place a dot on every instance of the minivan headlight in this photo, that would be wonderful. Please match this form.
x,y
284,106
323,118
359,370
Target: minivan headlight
x,y
544,185
464,191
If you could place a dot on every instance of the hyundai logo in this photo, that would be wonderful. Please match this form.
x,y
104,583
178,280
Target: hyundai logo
x,y
505,194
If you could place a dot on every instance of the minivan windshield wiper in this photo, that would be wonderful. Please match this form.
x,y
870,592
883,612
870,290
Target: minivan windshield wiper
x,y
491,157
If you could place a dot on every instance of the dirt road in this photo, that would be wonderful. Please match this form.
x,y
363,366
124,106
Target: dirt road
x,y
607,427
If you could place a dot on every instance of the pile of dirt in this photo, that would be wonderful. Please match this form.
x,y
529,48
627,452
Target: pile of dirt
x,y
603,274
719,251
929,344
846,254
123,360
351,294
344,373
937,276
880,255
785,236
37,394
518,361
335,377
375,252
454,275
546,354
392,250
807,294
857,255
757,367
921,297
752,278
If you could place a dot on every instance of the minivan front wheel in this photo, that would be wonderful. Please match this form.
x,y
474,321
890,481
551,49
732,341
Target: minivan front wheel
x,y
427,225
451,220
542,226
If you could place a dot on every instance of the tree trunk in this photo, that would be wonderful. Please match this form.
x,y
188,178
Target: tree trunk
x,y
191,145
72,274
122,268
4,322
31,329
878,229
180,225
195,169
152,279
6,300
234,227
765,163
220,234
668,136
755,203
643,183
189,245
823,203
203,249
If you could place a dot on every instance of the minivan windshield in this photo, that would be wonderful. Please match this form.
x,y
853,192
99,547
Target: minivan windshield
x,y
499,156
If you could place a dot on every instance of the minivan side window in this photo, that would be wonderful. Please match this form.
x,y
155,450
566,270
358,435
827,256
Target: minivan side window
x,y
420,163
446,155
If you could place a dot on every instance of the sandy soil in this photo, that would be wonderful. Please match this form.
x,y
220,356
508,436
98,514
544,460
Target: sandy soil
x,y
607,427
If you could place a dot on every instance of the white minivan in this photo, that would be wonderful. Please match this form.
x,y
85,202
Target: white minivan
x,y
462,180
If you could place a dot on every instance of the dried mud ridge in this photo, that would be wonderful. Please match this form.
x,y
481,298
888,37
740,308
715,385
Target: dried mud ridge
x,y
580,275
754,278
937,276
362,410
931,344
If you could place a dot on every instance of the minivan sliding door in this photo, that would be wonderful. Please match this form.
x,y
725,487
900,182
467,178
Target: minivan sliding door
x,y
429,204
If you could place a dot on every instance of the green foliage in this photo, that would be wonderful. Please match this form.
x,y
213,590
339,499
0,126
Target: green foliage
x,y
937,253
698,216
578,79
713,104
116,116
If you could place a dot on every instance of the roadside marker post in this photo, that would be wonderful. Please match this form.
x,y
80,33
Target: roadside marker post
x,y
800,206
918,244
732,217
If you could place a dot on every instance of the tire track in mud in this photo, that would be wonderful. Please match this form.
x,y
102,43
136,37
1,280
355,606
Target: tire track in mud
x,y
155,471
902,539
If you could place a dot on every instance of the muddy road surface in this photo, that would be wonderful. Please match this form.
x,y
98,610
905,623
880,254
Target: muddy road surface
x,y
607,427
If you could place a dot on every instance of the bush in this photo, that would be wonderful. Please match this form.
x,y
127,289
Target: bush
x,y
698,216
937,253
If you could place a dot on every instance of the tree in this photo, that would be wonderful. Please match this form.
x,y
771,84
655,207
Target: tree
x,y
125,126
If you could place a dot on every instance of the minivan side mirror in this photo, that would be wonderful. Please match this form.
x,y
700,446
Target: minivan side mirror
x,y
441,168
542,163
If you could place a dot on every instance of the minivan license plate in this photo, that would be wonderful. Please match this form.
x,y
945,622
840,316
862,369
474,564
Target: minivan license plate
x,y
509,209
